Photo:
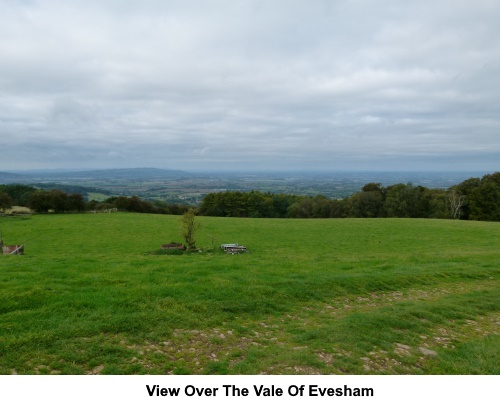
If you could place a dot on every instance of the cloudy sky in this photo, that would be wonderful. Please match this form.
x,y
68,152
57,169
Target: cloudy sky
x,y
250,84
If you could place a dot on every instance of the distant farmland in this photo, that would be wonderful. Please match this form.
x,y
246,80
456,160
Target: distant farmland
x,y
328,296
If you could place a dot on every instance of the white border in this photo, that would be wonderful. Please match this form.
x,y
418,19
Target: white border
x,y
124,390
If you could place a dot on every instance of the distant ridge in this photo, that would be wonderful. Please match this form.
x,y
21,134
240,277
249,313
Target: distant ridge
x,y
133,173
6,178
104,174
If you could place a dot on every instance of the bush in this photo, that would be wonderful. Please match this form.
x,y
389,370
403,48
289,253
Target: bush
x,y
168,252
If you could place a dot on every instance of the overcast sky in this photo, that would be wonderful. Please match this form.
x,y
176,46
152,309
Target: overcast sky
x,y
250,84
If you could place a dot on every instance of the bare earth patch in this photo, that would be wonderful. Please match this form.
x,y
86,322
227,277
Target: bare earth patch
x,y
440,338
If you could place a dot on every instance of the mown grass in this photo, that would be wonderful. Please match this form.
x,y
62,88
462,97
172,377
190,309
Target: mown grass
x,y
355,296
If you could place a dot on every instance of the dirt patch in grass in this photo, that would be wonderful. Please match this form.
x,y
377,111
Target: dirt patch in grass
x,y
446,337
192,349
405,359
370,301
97,370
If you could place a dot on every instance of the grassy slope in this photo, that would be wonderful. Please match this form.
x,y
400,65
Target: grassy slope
x,y
313,296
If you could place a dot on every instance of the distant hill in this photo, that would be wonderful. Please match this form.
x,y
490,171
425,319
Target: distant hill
x,y
8,178
105,174
136,173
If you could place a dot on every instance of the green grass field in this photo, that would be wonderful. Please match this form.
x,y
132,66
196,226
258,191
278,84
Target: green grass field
x,y
334,296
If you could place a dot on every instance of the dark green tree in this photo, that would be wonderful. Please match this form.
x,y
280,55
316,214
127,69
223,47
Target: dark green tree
x,y
40,202
58,201
19,193
75,202
407,201
5,201
369,203
484,201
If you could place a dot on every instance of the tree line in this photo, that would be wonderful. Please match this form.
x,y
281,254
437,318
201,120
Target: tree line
x,y
473,199
57,201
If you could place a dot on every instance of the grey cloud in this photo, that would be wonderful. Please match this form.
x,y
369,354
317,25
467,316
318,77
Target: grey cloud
x,y
284,84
